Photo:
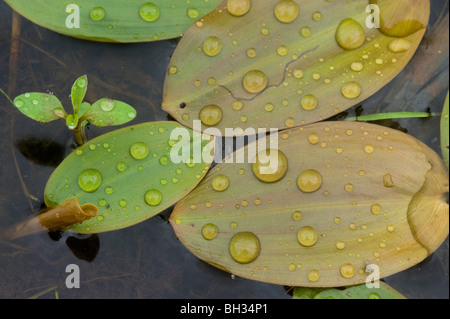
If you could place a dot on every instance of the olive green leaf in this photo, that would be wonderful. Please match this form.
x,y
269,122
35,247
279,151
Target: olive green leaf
x,y
115,20
282,64
79,89
41,107
384,291
128,174
445,131
334,202
108,112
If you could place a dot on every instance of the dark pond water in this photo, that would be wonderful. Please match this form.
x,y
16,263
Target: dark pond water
x,y
147,260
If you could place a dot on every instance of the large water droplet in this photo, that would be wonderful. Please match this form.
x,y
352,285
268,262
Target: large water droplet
x,y
307,236
238,8
270,166
210,231
153,197
309,102
313,275
399,45
347,270
350,34
286,11
351,90
220,183
255,81
149,12
212,46
121,166
97,13
19,103
90,180
107,105
245,247
139,150
309,181
193,13
211,115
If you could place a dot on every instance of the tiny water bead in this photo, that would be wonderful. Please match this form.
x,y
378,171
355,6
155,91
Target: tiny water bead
x,y
307,236
97,13
149,12
210,231
351,90
244,247
255,81
309,102
121,166
270,166
297,215
309,181
81,82
220,183
164,160
376,209
286,11
211,115
139,150
238,8
313,138
109,190
153,197
350,34
212,46
90,180
19,103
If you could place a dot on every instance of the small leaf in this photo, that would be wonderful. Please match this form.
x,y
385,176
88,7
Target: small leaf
x,y
277,68
128,174
84,107
115,20
445,130
41,107
79,89
72,121
108,112
339,196
353,292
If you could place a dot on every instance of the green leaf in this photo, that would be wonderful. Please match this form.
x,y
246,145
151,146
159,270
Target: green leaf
x,y
41,107
108,112
264,71
115,20
84,107
79,89
384,291
72,121
445,131
128,174
339,196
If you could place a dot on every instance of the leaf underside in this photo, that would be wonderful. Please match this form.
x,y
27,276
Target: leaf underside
x,y
121,22
124,179
381,201
301,59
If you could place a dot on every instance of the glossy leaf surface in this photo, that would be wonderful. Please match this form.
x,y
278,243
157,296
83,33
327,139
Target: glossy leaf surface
x,y
384,291
41,107
342,196
128,174
288,63
115,20
108,112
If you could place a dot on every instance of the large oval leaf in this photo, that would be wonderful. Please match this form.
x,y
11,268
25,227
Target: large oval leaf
x,y
343,196
128,174
384,291
262,71
115,20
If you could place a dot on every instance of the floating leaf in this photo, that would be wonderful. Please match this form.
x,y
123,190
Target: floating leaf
x,y
79,89
128,174
115,20
335,198
41,107
287,63
384,291
108,112
445,131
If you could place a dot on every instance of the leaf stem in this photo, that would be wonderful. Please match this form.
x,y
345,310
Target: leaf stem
x,y
80,134
392,115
